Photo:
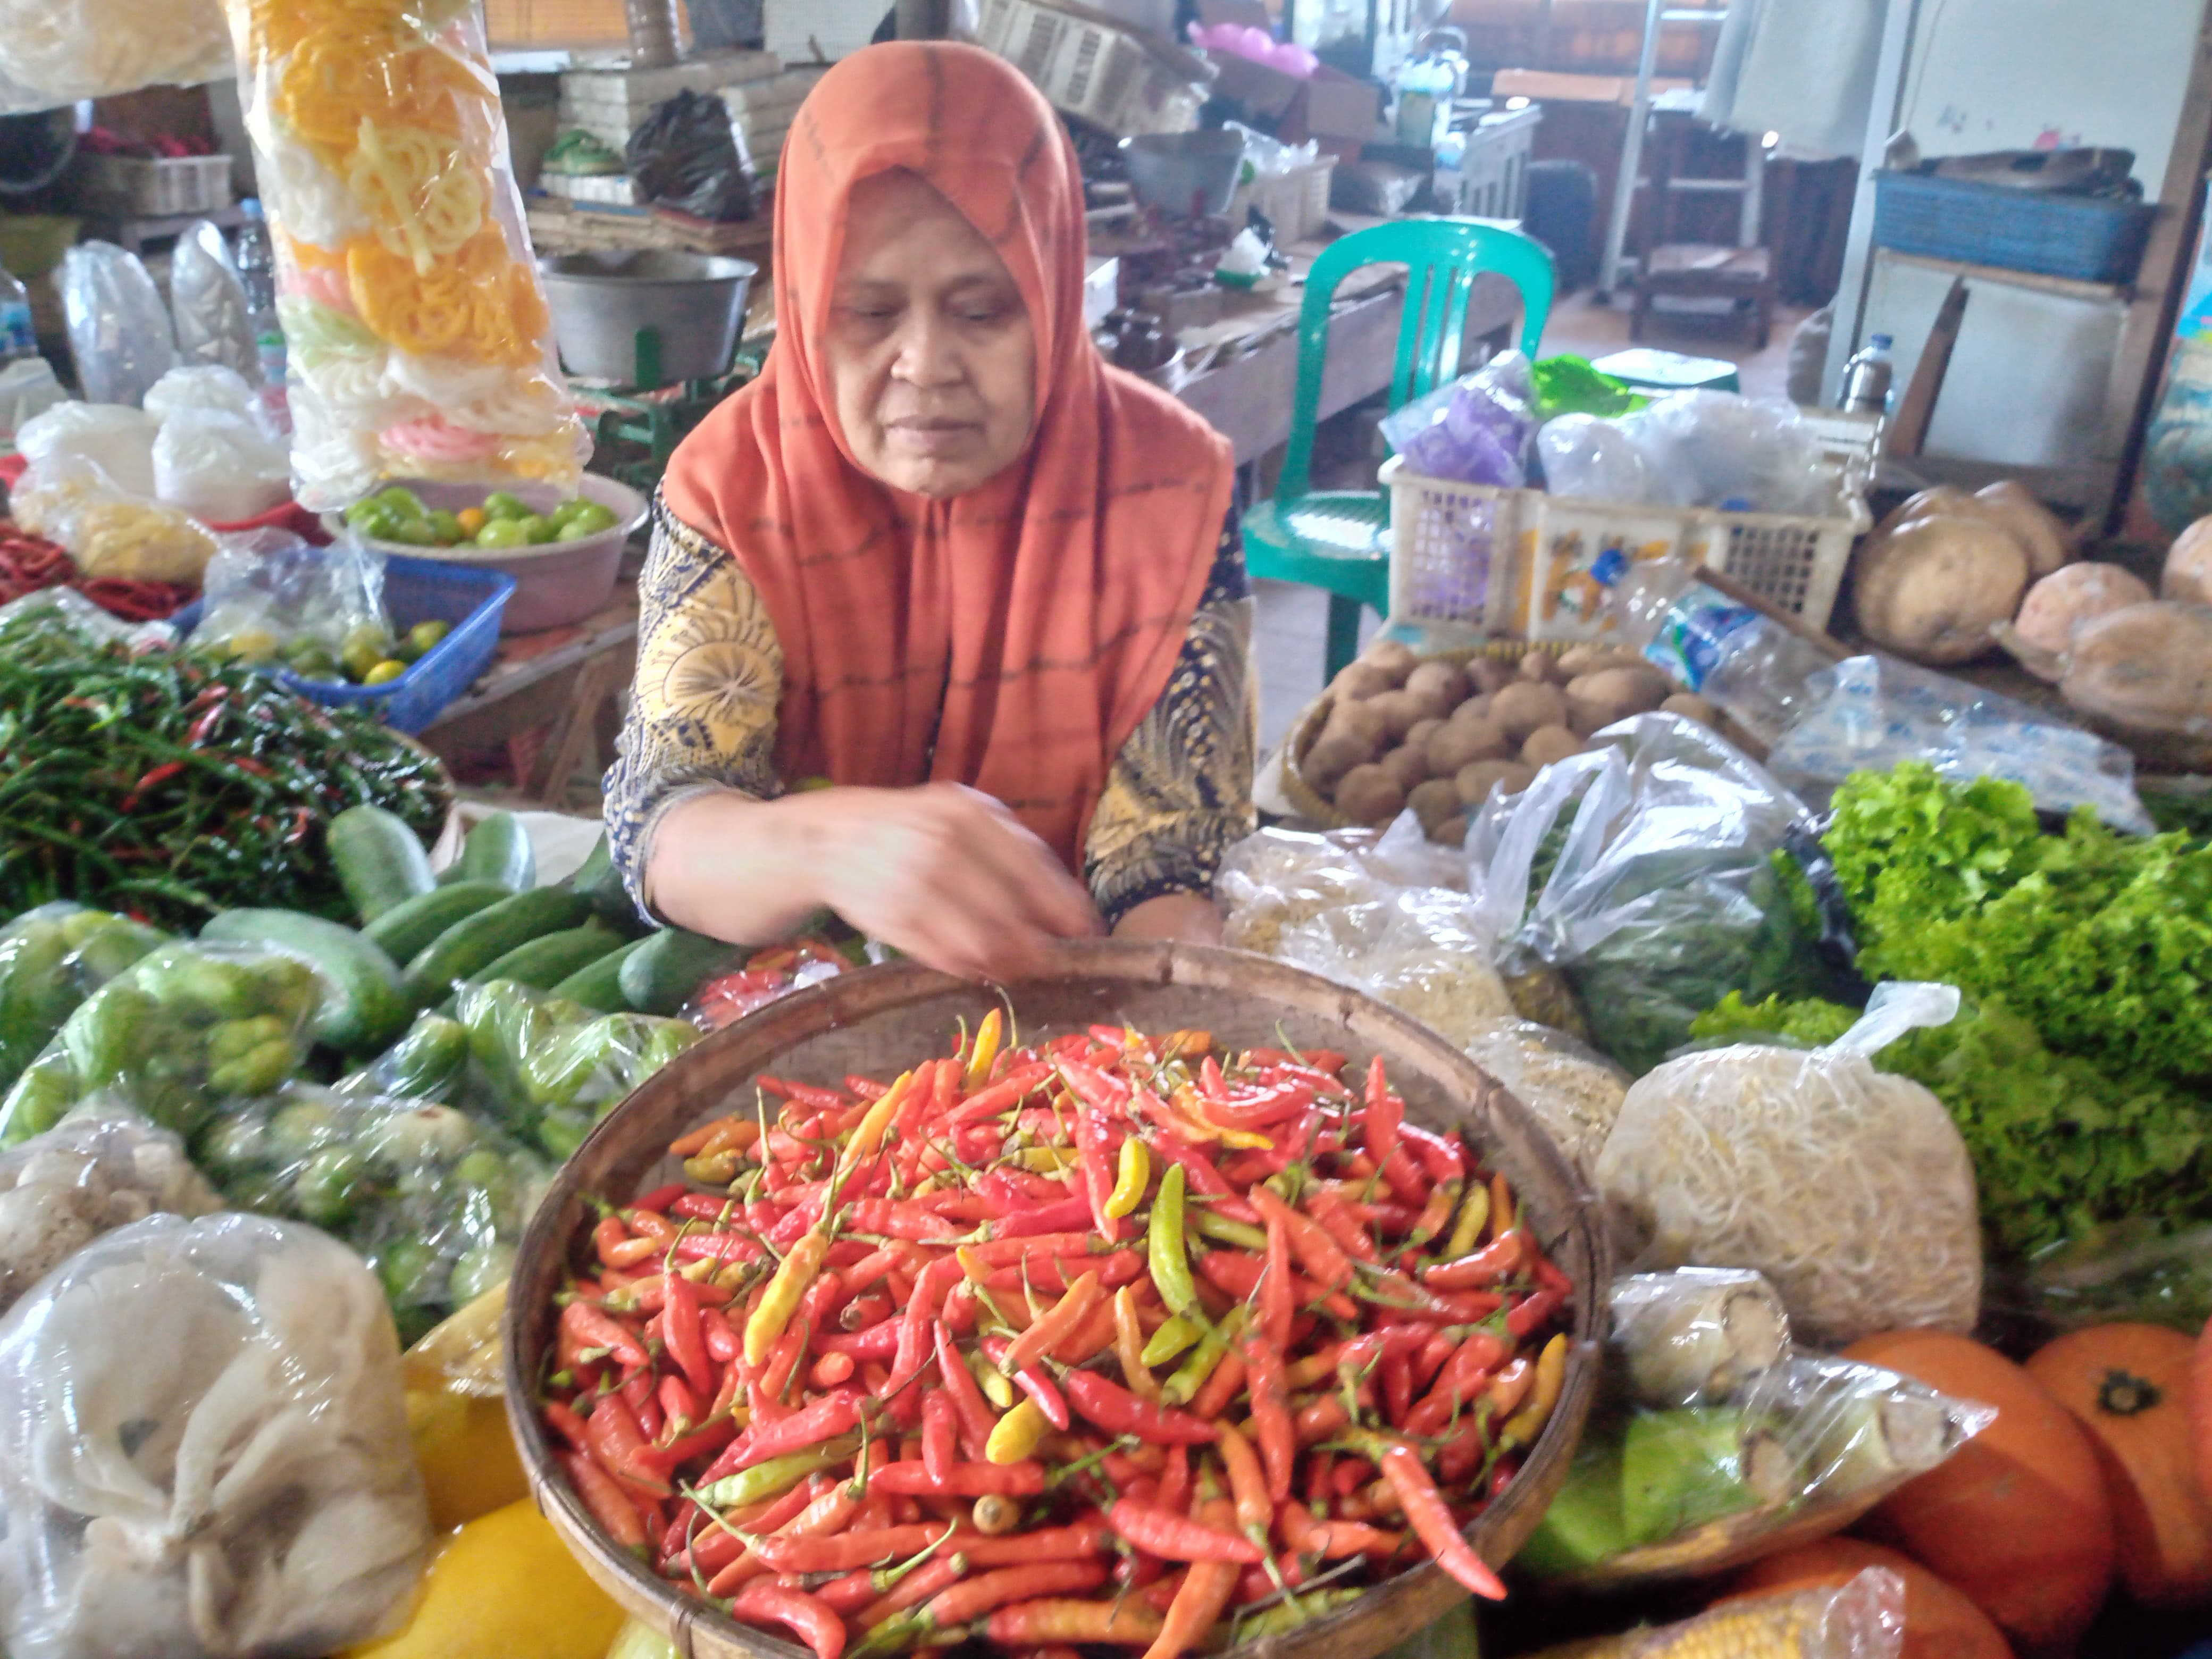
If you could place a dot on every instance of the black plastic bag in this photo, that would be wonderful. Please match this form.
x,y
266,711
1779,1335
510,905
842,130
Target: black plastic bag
x,y
686,156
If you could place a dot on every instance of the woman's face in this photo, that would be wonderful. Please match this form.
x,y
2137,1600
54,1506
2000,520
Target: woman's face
x,y
933,361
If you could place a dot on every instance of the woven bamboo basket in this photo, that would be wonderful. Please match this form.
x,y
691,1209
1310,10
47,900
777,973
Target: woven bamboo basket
x,y
866,1021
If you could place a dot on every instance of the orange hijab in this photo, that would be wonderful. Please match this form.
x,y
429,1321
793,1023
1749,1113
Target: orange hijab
x,y
1011,638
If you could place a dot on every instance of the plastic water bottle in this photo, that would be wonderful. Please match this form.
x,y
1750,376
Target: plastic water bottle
x,y
18,338
1744,663
257,273
1867,377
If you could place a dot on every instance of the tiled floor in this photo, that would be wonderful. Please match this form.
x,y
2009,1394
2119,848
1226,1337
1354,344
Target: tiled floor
x,y
1293,621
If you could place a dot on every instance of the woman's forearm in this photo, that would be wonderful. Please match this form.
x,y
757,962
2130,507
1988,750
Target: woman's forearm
x,y
735,868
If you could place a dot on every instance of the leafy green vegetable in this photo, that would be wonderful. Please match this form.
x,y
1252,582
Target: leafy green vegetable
x,y
2059,1145
2103,941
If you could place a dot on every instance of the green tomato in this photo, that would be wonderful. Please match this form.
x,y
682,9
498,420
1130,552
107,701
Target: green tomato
x,y
232,1145
426,636
375,520
535,530
504,533
591,517
404,501
323,1191
447,528
567,509
405,1266
302,1129
479,1270
503,504
413,532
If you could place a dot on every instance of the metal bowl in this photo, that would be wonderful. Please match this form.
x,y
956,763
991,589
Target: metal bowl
x,y
646,318
866,1021
1188,175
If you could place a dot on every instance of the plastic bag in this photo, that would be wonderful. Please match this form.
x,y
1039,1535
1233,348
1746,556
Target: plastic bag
x,y
417,335
551,1068
268,591
2130,1270
427,1063
117,439
1697,1334
433,1199
219,467
214,323
1757,455
183,1029
1598,461
104,48
1864,1619
27,390
119,329
1475,430
1850,1189
685,156
94,1172
767,977
197,388
1653,871
1279,879
1869,712
51,960
110,533
204,1448
1571,1090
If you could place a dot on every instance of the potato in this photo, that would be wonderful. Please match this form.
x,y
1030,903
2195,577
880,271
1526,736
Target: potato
x,y
1421,732
2073,595
1434,802
1473,711
1452,832
1590,659
1362,721
1333,754
1520,710
1547,744
1439,687
2188,574
1936,589
1392,658
1537,667
2014,507
1597,700
1407,765
1360,679
1401,712
1490,675
1458,743
1692,707
1474,782
1369,795
2146,666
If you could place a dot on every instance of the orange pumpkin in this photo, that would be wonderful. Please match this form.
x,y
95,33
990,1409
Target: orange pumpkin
x,y
2018,1518
2129,1384
1939,1623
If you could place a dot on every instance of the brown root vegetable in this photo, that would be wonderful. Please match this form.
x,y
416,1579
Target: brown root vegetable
x,y
1547,744
1360,679
2148,666
1362,721
1418,736
1936,589
1926,504
1490,675
2188,574
1597,700
1370,795
1461,743
1434,802
2067,597
1591,659
2012,507
1473,711
1520,710
1538,666
1475,782
1399,711
1439,687
1692,707
1452,832
1407,765
1393,657
1333,754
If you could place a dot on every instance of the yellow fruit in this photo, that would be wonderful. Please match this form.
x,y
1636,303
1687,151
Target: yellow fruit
x,y
360,656
467,1455
472,519
385,672
253,644
504,1586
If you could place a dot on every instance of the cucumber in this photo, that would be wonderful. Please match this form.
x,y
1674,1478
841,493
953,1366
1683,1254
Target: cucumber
x,y
380,862
470,946
660,978
598,881
498,849
404,931
546,961
363,1008
598,987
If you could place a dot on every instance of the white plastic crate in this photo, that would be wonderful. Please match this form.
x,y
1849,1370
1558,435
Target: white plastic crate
x,y
1088,64
156,188
1296,203
1491,179
1529,565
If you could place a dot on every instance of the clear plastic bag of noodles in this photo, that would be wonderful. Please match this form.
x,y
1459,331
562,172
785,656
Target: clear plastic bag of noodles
x,y
418,337
1864,1620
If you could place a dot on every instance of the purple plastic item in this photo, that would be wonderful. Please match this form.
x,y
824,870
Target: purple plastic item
x,y
1476,430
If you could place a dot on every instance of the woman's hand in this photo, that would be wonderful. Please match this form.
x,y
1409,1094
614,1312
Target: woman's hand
x,y
944,874
1181,918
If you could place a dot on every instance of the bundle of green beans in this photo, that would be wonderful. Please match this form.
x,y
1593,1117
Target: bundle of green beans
x,y
160,786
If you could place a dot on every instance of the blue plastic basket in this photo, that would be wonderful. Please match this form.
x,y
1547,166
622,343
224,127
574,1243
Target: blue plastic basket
x,y
417,590
2089,239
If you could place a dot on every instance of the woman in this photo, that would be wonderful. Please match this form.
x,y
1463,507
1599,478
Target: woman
x,y
942,557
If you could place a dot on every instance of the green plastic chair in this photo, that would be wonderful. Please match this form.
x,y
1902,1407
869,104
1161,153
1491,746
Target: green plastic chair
x,y
1339,540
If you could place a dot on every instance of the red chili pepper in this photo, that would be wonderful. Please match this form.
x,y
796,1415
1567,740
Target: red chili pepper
x,y
609,1504
1174,1537
1008,1091
1022,1479
596,1329
1174,1490
822,1630
1534,1314
817,1420
1032,1380
1089,1536
912,1590
939,1430
569,1426
1426,1509
981,1594
1500,1259
1271,1417
152,781
1113,1407
1310,1241
1277,1302
976,1417
680,1330
1330,1539
1340,1224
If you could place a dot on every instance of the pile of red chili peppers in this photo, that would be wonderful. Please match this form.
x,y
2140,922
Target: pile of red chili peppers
x,y
1106,1340
30,564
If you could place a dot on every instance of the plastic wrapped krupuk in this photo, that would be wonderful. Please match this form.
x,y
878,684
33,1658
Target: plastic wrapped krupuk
x,y
418,337
1572,1090
1850,1189
1864,1619
254,1492
102,48
51,960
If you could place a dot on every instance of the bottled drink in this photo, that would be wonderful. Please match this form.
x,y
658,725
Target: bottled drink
x,y
18,339
257,273
1744,663
1867,377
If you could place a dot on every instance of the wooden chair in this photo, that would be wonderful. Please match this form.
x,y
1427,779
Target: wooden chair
x,y
1696,271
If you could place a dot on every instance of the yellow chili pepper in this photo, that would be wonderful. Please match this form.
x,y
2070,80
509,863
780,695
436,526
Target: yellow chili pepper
x,y
1173,1335
998,1389
984,1051
1185,1045
793,1276
1134,1176
1501,1207
868,1134
1018,1433
977,1270
1046,1160
1473,1211
1525,1425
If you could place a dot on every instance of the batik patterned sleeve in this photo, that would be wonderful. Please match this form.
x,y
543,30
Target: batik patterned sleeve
x,y
1180,790
702,710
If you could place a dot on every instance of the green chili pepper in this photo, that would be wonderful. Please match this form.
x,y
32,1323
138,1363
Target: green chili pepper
x,y
1176,1334
1182,1387
1164,1241
777,1475
1241,1235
